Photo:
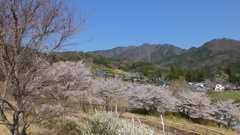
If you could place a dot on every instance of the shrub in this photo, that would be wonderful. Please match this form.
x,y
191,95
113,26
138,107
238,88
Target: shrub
x,y
101,61
206,122
68,126
108,123
100,123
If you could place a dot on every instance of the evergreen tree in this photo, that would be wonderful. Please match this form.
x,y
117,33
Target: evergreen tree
x,y
200,75
189,76
233,77
171,74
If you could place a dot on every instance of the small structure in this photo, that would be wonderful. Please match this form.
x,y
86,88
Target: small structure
x,y
198,86
128,78
102,73
219,87
238,88
162,83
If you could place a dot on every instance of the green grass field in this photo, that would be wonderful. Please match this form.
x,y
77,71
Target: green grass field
x,y
217,96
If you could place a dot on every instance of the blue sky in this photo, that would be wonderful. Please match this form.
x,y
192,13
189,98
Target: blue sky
x,y
183,23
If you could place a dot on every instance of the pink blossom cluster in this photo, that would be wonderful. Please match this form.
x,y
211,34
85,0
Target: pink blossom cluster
x,y
151,97
61,80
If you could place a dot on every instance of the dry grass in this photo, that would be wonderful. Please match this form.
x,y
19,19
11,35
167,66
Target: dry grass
x,y
37,129
3,128
119,72
157,120
34,129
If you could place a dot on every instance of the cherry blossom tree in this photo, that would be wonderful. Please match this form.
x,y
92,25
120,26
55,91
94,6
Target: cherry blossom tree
x,y
227,113
151,98
30,31
195,105
110,91
63,79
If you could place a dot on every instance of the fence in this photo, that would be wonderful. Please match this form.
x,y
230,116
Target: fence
x,y
158,128
87,107
196,129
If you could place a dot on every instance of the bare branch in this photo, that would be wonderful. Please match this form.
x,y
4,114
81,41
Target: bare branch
x,y
9,104
30,30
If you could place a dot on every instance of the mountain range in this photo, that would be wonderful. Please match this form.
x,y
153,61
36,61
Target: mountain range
x,y
212,55
145,52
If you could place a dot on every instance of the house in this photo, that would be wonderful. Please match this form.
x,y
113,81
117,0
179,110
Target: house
x,y
128,78
162,83
102,73
219,87
198,86
133,77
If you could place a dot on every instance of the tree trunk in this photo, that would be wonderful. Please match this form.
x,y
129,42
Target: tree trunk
x,y
23,124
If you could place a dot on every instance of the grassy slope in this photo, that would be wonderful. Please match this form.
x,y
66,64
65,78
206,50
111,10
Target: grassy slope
x,y
217,96
37,129
157,120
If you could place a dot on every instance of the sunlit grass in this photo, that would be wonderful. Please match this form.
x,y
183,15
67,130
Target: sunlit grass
x,y
217,96
3,128
178,119
36,128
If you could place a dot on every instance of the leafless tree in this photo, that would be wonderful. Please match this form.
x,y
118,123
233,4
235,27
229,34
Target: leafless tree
x,y
30,31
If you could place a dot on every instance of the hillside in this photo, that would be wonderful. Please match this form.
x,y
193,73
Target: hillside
x,y
211,56
223,45
145,52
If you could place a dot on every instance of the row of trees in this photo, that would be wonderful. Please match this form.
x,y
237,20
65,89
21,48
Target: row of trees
x,y
151,98
189,75
55,84
73,79
194,105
